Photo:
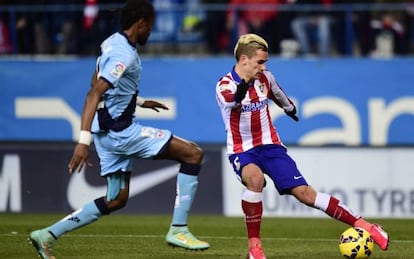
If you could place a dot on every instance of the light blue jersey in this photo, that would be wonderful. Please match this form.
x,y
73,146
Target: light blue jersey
x,y
120,65
118,135
119,138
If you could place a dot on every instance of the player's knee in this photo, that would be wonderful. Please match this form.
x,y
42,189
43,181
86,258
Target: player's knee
x,y
197,153
255,183
118,203
121,203
305,194
106,207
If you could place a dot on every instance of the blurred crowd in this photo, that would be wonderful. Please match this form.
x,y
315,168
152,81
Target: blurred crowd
x,y
291,27
331,27
48,27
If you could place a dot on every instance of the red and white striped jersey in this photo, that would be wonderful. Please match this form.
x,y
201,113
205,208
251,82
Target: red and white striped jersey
x,y
249,125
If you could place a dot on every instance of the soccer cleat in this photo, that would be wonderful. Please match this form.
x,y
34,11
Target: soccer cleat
x,y
43,242
256,252
182,237
379,236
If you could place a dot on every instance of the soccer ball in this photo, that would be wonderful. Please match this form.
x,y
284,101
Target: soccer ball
x,y
356,243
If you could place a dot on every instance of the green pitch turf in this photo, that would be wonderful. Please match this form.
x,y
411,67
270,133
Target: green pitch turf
x,y
138,236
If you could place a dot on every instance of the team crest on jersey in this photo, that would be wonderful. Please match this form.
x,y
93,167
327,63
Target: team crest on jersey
x,y
263,89
118,70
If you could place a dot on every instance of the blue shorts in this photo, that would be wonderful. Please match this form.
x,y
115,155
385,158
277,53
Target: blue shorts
x,y
274,161
116,150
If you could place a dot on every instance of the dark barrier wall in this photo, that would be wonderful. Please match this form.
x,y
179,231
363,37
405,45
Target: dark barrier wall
x,y
34,178
340,101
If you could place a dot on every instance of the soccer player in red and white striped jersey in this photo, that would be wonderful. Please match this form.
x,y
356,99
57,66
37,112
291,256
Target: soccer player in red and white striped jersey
x,y
254,147
250,125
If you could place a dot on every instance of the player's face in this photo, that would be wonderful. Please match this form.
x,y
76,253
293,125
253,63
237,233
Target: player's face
x,y
257,64
145,31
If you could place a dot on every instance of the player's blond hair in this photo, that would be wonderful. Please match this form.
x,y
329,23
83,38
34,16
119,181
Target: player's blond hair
x,y
248,44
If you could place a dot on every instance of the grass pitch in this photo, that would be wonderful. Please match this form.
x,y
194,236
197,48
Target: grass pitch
x,y
143,236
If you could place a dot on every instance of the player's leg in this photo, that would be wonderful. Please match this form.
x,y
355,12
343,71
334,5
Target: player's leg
x,y
337,210
117,196
252,205
190,155
279,165
149,142
325,202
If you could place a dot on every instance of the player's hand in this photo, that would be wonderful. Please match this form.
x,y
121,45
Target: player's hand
x,y
241,91
79,158
154,105
292,113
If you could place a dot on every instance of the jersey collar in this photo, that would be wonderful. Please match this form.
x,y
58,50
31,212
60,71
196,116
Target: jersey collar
x,y
126,37
235,76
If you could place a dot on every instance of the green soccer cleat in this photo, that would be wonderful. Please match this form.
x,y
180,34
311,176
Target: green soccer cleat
x,y
43,242
182,237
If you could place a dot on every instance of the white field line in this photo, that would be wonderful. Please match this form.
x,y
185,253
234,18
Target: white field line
x,y
204,237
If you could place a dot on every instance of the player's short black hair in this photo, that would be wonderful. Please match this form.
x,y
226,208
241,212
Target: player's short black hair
x,y
133,10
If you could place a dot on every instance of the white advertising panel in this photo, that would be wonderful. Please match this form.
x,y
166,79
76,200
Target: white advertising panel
x,y
374,182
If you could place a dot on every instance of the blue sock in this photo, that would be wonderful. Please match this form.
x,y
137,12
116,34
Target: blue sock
x,y
86,215
186,189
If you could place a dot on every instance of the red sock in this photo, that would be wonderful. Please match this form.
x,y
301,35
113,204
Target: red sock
x,y
340,212
253,217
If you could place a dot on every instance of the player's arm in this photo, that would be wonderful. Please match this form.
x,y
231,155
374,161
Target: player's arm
x,y
226,93
81,152
151,104
94,78
93,97
281,99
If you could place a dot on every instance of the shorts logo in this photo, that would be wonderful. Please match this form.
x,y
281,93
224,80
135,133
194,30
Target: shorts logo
x,y
236,163
297,177
118,70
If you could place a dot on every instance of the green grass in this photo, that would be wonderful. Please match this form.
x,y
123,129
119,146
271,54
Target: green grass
x,y
142,236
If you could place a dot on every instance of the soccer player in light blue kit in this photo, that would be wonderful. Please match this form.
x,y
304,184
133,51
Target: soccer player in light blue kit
x,y
108,114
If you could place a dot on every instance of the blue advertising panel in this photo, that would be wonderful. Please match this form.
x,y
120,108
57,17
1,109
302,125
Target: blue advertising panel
x,y
339,101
